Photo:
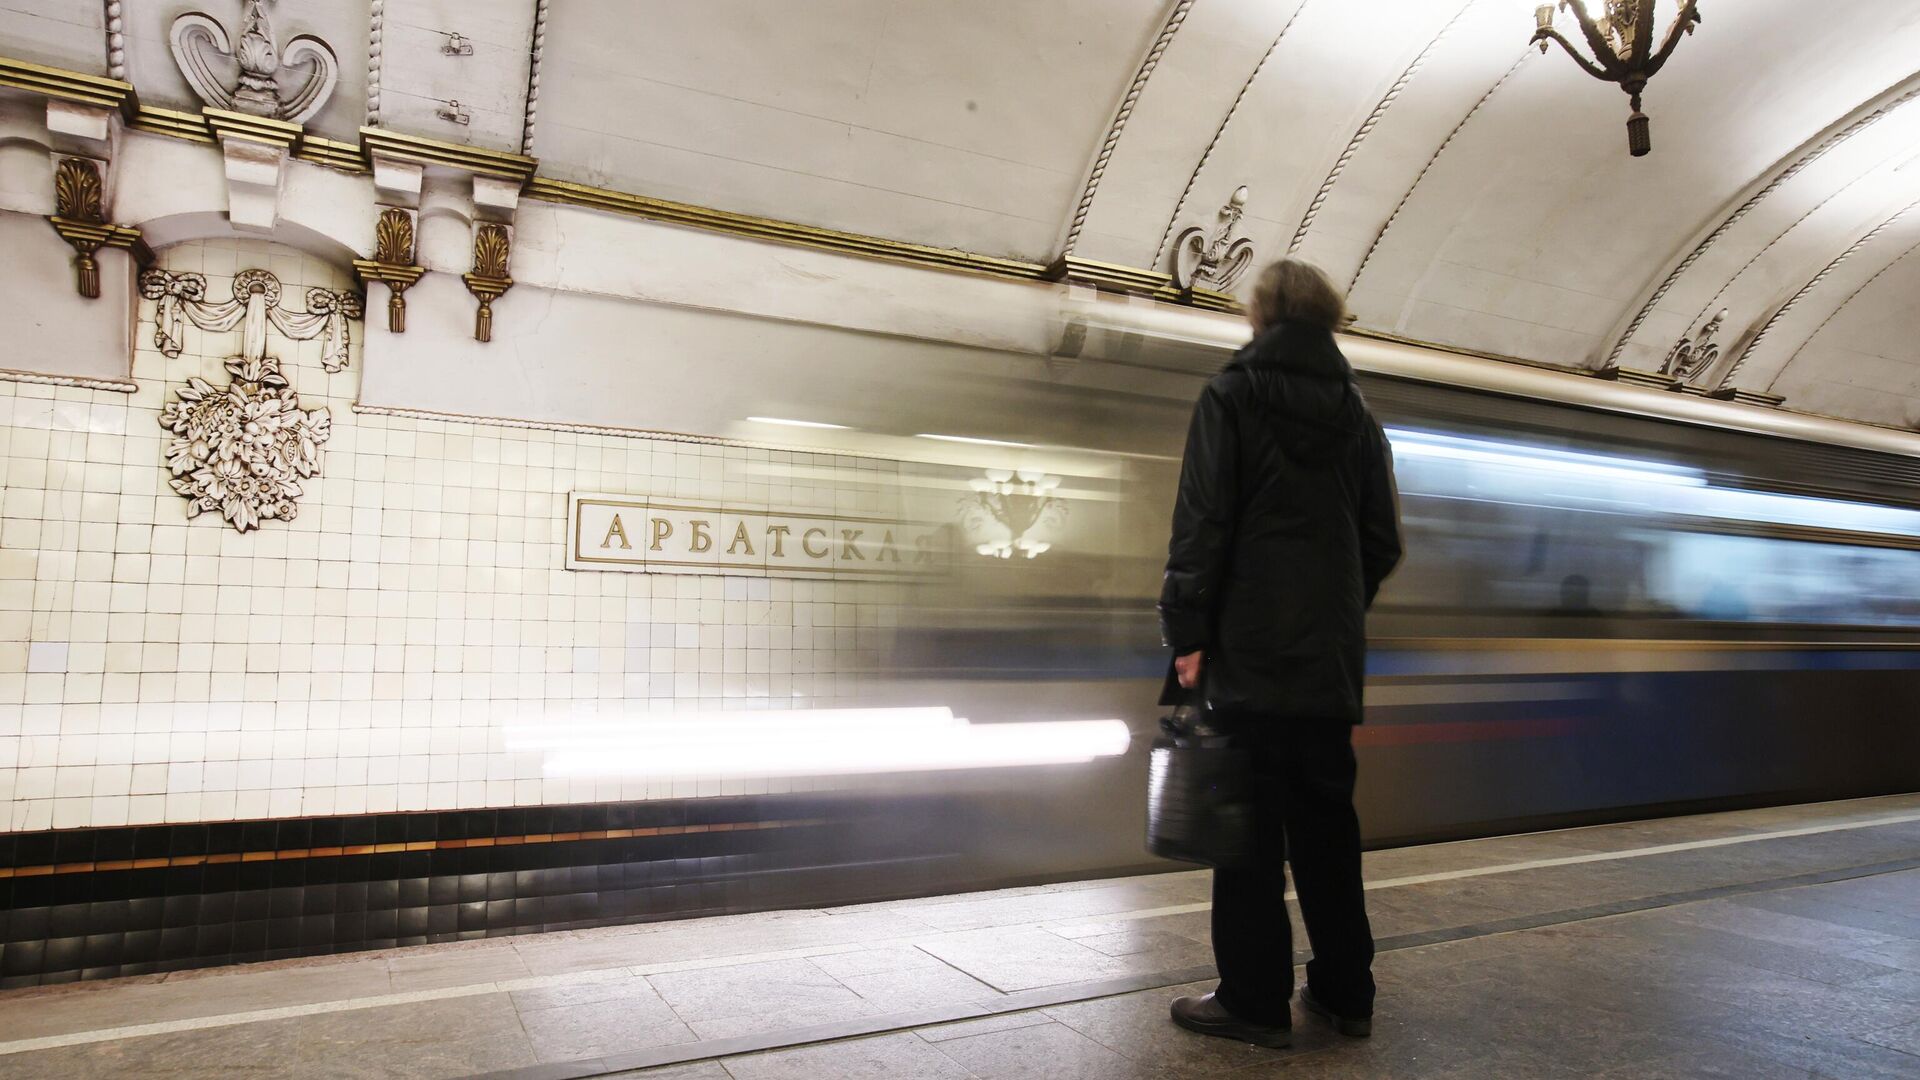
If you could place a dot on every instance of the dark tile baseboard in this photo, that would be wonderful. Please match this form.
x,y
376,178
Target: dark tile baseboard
x,y
100,903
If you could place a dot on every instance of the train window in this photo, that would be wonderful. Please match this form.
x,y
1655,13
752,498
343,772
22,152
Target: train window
x,y
1497,527
1771,580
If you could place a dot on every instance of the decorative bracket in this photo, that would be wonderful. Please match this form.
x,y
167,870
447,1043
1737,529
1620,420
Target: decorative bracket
x,y
393,263
488,281
80,219
255,149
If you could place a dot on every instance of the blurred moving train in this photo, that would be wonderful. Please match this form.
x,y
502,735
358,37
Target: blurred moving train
x,y
1617,602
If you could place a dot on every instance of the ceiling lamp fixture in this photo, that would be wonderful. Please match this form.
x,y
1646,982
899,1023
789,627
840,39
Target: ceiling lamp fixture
x,y
1622,43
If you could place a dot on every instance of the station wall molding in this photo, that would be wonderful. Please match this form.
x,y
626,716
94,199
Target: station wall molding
x,y
65,85
522,169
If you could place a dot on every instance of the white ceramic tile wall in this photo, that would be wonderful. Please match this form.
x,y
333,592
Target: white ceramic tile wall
x,y
365,656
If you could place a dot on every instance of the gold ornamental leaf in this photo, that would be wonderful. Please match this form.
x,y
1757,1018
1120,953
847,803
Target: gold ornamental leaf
x,y
76,190
393,238
490,247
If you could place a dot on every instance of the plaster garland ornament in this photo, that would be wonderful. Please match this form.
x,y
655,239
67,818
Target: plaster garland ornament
x,y
488,281
392,263
242,449
181,298
258,91
1217,262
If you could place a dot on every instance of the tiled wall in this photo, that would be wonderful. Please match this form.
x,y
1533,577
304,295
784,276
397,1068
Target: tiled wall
x,y
364,657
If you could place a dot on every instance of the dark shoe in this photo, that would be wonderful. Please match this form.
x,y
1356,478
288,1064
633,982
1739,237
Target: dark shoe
x,y
1209,1017
1357,1026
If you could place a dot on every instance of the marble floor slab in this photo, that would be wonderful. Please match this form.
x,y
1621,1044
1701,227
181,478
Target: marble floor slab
x,y
1735,944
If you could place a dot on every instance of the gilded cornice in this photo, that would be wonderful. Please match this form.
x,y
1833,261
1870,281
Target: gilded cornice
x,y
252,128
67,85
1116,277
813,236
425,151
172,123
344,156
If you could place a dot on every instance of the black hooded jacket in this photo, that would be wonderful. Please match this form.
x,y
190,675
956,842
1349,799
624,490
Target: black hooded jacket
x,y
1285,526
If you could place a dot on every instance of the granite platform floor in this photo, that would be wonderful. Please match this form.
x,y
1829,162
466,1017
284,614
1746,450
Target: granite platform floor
x,y
1758,944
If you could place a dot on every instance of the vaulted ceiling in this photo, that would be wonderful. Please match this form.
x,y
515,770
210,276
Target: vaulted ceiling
x,y
1474,192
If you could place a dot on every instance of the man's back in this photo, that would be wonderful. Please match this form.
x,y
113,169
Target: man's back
x,y
1284,529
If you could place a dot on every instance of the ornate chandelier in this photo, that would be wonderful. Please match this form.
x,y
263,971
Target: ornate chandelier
x,y
1622,44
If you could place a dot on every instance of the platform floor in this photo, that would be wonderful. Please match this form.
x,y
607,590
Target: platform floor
x,y
1758,944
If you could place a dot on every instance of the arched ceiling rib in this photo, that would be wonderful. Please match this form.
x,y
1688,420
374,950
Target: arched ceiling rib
x,y
1485,189
1860,363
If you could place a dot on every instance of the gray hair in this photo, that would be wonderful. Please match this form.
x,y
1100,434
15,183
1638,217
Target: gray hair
x,y
1292,290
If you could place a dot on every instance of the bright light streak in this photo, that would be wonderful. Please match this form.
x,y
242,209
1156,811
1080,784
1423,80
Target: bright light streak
x,y
1641,486
803,743
783,422
977,442
1540,458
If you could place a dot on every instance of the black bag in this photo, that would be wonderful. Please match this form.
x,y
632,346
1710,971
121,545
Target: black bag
x,y
1199,793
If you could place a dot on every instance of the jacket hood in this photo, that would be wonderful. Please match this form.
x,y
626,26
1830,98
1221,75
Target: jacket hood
x,y
1299,375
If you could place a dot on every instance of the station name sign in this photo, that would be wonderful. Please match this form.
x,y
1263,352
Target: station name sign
x,y
651,535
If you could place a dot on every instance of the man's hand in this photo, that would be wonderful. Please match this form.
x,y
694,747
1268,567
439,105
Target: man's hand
x,y
1187,668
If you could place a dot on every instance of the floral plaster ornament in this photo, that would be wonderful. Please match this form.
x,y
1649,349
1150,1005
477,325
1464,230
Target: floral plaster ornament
x,y
242,449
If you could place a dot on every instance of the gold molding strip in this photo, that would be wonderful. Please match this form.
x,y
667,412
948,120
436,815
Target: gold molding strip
x,y
547,189
284,854
1461,350
79,382
66,85
172,123
345,156
425,151
1118,277
252,128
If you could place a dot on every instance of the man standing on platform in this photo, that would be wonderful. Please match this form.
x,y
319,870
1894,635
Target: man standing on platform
x,y
1285,526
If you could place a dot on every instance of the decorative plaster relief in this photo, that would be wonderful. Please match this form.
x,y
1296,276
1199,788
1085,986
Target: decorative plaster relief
x,y
116,41
243,448
257,90
1220,132
1692,355
376,57
1218,262
1175,19
532,116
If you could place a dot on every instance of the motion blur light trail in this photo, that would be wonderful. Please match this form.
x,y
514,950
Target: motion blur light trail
x,y
803,742
1490,470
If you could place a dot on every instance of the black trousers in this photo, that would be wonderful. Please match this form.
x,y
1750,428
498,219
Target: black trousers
x,y
1305,768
